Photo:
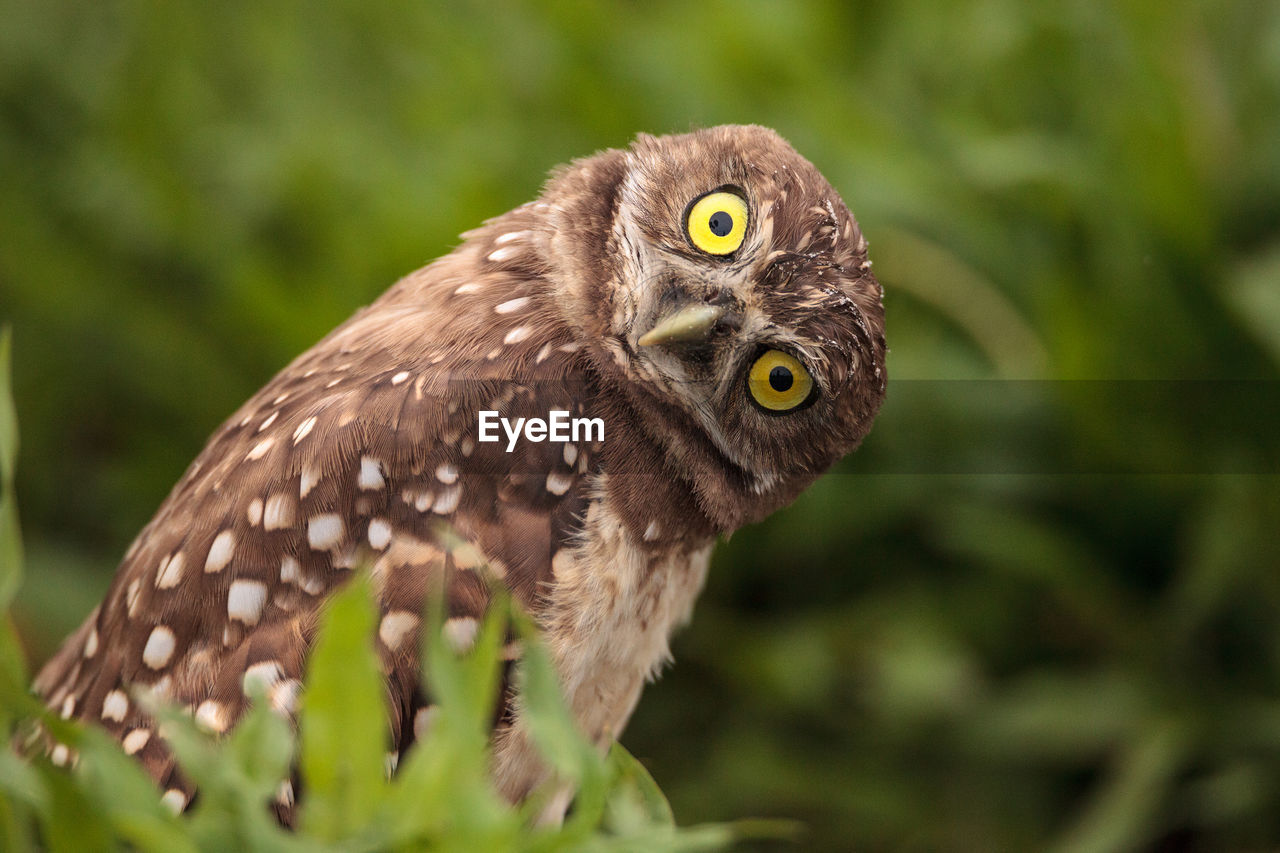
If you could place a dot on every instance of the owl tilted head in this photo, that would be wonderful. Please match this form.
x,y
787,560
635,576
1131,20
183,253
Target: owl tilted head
x,y
728,284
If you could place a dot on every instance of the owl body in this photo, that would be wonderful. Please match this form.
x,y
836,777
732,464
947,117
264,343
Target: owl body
x,y
726,379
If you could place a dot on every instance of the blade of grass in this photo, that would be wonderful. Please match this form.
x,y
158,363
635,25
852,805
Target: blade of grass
x,y
10,532
343,724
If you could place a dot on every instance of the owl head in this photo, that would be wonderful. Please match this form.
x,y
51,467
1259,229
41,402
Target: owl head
x,y
727,291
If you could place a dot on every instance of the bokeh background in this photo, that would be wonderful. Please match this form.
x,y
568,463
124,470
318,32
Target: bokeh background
x,y
1040,609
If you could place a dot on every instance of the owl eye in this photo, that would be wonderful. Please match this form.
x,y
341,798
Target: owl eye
x,y
717,222
779,382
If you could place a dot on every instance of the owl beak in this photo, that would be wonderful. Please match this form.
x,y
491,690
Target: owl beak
x,y
690,324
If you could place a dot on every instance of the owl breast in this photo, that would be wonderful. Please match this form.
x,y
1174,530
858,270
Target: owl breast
x,y
609,618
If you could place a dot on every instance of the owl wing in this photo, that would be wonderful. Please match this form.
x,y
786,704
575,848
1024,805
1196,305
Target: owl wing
x,y
362,451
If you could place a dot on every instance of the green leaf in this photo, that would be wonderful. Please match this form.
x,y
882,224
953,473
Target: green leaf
x,y
10,532
15,699
344,719
232,810
261,747
572,758
125,796
20,782
465,685
8,413
546,714
1126,806
73,822
1253,293
635,800
443,791
16,825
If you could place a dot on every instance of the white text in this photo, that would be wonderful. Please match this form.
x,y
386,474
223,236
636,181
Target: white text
x,y
558,427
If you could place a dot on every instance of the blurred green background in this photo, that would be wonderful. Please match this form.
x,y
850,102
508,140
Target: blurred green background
x,y
1040,609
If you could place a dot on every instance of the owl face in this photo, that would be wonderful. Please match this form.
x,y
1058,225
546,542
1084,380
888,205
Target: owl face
x,y
742,305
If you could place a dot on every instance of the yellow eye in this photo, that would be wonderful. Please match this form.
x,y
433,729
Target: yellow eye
x,y
779,382
717,223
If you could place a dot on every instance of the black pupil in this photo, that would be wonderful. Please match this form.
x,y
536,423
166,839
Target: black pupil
x,y
721,223
780,379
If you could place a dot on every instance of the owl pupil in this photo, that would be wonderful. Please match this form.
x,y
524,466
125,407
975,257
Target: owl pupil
x,y
780,379
721,223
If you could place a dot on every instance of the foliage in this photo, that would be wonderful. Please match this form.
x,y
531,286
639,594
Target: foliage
x,y
1038,609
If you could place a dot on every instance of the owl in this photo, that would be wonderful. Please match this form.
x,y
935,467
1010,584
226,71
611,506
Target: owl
x,y
672,341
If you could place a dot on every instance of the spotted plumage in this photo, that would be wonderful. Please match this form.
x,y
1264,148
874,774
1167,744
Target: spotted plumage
x,y
642,289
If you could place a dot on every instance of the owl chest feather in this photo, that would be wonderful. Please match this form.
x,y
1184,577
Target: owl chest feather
x,y
608,622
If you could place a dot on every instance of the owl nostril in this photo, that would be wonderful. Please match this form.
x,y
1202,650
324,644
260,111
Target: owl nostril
x,y
724,298
730,319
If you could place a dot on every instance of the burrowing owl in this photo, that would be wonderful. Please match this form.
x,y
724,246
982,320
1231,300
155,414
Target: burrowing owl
x,y
691,332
